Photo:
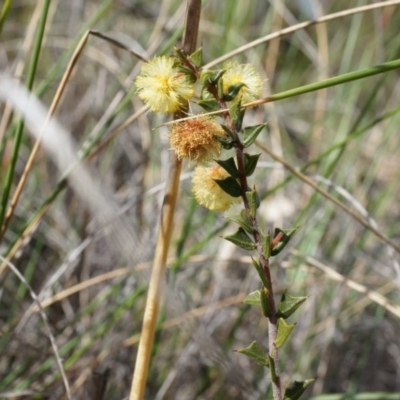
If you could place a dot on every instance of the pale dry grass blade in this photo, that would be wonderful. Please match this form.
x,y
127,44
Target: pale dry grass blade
x,y
324,193
359,207
55,102
150,316
61,148
46,324
335,276
300,26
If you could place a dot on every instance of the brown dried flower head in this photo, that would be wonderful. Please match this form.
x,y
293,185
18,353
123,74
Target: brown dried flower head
x,y
195,139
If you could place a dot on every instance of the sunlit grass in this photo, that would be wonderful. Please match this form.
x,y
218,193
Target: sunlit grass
x,y
343,336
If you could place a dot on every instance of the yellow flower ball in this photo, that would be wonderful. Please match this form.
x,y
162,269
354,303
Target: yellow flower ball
x,y
206,190
243,73
162,87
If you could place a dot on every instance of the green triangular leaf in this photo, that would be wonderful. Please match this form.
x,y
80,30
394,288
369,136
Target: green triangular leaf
x,y
229,166
264,301
233,91
229,132
206,76
250,163
296,389
236,113
253,298
266,245
217,76
220,87
241,239
188,72
260,271
208,105
289,304
256,353
230,186
197,57
254,201
250,134
284,236
272,368
185,70
242,220
226,142
284,330
179,54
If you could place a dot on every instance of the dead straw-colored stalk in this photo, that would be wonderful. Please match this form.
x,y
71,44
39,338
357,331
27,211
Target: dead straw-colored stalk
x,y
164,235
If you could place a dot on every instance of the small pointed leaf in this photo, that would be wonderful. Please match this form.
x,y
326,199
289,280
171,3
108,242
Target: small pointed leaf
x,y
253,298
236,113
210,77
217,76
184,69
227,146
229,132
220,87
206,76
266,245
233,91
208,105
256,353
188,72
248,226
260,272
197,57
230,186
296,389
254,201
284,236
284,330
250,163
289,304
272,368
241,239
179,53
226,142
250,134
242,220
229,166
264,301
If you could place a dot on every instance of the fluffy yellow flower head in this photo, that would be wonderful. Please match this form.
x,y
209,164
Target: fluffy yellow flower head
x,y
206,190
162,87
243,73
195,139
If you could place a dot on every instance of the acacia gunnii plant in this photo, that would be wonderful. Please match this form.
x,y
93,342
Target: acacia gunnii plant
x,y
164,84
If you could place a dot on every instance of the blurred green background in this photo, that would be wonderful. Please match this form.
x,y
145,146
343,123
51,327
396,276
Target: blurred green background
x,y
347,333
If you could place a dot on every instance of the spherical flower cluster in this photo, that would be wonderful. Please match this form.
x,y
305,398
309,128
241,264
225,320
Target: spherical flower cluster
x,y
195,139
206,190
243,73
162,87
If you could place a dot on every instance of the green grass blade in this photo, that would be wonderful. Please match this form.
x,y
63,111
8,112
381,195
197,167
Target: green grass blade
x,y
338,80
4,12
20,126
